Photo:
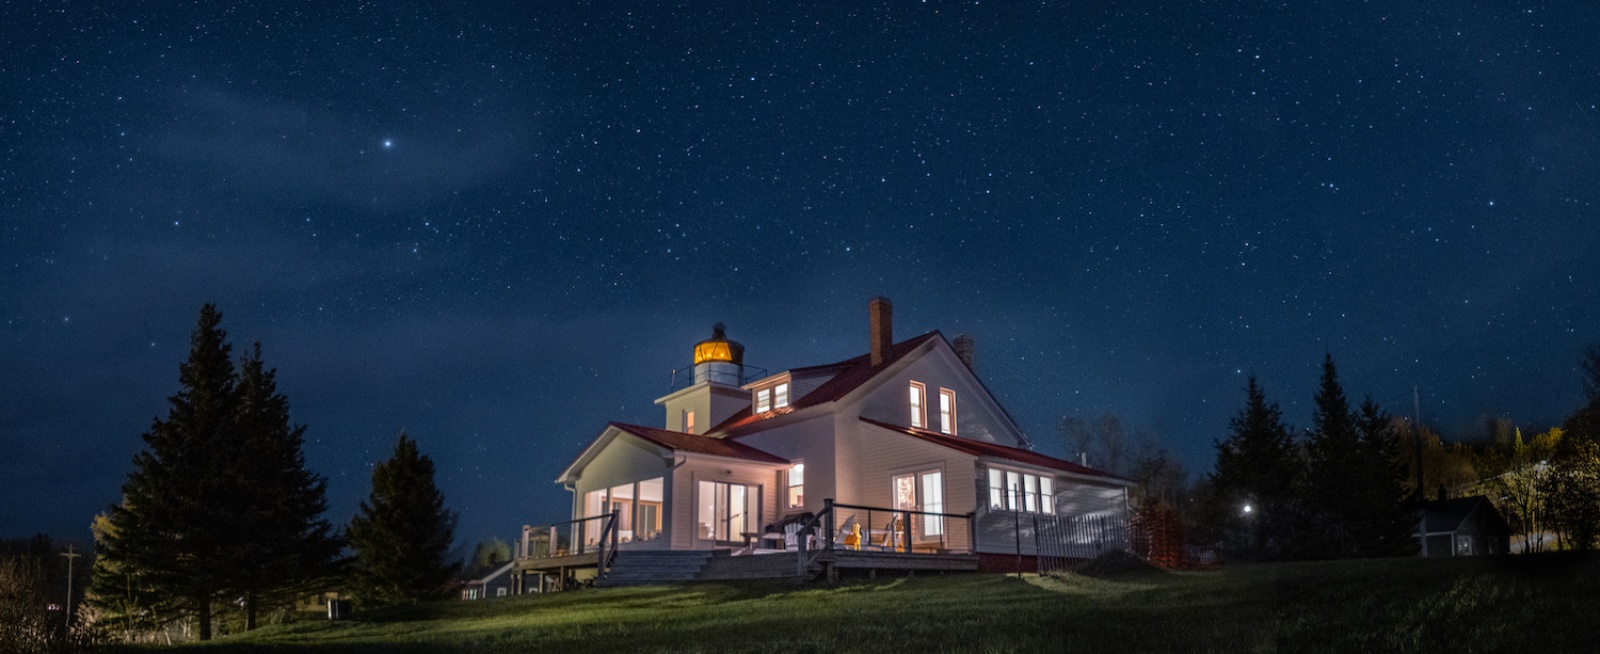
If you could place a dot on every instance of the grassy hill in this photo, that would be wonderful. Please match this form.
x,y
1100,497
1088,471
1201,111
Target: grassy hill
x,y
1524,603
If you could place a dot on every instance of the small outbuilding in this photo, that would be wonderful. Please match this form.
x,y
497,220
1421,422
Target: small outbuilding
x,y
493,583
1463,526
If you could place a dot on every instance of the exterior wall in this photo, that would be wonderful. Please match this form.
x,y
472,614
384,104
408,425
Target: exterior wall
x,y
881,454
711,404
811,441
626,459
1006,532
977,416
685,491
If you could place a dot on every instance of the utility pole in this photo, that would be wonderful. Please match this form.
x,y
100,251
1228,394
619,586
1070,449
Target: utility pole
x,y
70,554
1422,509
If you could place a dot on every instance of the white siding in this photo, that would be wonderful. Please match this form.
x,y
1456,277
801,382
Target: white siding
x,y
810,440
686,492
882,454
978,416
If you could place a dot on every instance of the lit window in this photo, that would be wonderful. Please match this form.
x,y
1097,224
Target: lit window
x,y
1018,491
763,400
688,422
780,396
947,411
919,415
997,489
797,485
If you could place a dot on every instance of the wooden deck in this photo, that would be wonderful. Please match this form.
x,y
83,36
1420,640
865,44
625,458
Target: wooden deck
x,y
846,559
587,560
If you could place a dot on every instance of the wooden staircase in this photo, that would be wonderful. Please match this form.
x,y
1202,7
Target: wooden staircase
x,y
644,567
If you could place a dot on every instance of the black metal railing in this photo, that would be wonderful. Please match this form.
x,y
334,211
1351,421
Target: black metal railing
x,y
597,535
1063,541
685,377
880,529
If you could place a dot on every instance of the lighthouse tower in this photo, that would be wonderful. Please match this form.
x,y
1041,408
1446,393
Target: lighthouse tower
x,y
715,393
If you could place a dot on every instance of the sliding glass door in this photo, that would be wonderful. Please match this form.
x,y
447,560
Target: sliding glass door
x,y
726,511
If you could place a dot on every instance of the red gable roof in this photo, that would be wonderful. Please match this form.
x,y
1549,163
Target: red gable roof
x,y
681,442
994,451
852,374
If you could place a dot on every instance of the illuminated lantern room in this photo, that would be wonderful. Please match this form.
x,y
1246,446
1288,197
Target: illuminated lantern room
x,y
718,359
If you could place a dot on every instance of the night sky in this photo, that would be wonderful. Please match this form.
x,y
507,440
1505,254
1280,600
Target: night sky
x,y
500,225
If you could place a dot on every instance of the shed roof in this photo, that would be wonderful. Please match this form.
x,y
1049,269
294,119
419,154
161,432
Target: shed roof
x,y
997,451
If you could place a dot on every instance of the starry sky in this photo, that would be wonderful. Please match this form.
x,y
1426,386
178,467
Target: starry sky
x,y
500,225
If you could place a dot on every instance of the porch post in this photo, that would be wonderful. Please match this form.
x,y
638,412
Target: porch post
x,y
827,521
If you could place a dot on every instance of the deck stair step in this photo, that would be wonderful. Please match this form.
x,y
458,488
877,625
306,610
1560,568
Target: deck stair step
x,y
754,566
641,567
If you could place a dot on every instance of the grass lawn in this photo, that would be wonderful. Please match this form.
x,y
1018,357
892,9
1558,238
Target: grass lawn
x,y
1546,603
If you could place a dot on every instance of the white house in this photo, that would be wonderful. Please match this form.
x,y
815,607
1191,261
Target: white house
x,y
907,444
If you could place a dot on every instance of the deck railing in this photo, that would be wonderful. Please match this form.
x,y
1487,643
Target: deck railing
x,y
597,535
881,529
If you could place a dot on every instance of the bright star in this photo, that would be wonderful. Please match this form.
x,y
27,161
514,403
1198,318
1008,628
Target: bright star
x,y
388,143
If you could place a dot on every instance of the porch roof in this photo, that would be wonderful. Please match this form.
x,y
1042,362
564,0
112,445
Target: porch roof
x,y
996,451
682,442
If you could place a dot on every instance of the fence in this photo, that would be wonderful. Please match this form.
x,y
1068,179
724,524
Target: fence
x,y
1064,541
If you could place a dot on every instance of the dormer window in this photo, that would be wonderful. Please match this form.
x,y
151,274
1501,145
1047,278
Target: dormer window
x,y
772,397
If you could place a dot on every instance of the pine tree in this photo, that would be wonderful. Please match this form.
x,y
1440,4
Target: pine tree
x,y
169,534
284,548
1386,524
402,533
219,503
1335,470
1256,476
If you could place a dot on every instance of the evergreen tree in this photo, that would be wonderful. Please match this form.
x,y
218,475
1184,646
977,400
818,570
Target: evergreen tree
x,y
167,538
1335,470
218,504
284,548
1386,524
402,533
1256,477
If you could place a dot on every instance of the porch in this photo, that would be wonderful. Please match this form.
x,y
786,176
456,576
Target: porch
x,y
841,537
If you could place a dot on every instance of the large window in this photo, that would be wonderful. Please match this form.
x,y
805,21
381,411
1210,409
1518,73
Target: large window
x,y
726,511
919,411
797,486
1011,490
947,411
638,507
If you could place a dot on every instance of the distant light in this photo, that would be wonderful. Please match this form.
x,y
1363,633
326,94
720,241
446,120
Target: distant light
x,y
388,143
1248,509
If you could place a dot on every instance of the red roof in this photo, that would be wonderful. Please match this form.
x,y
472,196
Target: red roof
x,y
852,374
994,451
681,442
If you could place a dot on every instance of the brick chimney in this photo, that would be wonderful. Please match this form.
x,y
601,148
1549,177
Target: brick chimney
x,y
966,351
880,324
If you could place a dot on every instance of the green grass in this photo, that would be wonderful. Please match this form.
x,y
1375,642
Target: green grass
x,y
1527,603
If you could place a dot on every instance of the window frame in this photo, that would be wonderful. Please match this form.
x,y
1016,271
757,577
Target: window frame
x,y
789,487
1021,491
917,398
947,411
